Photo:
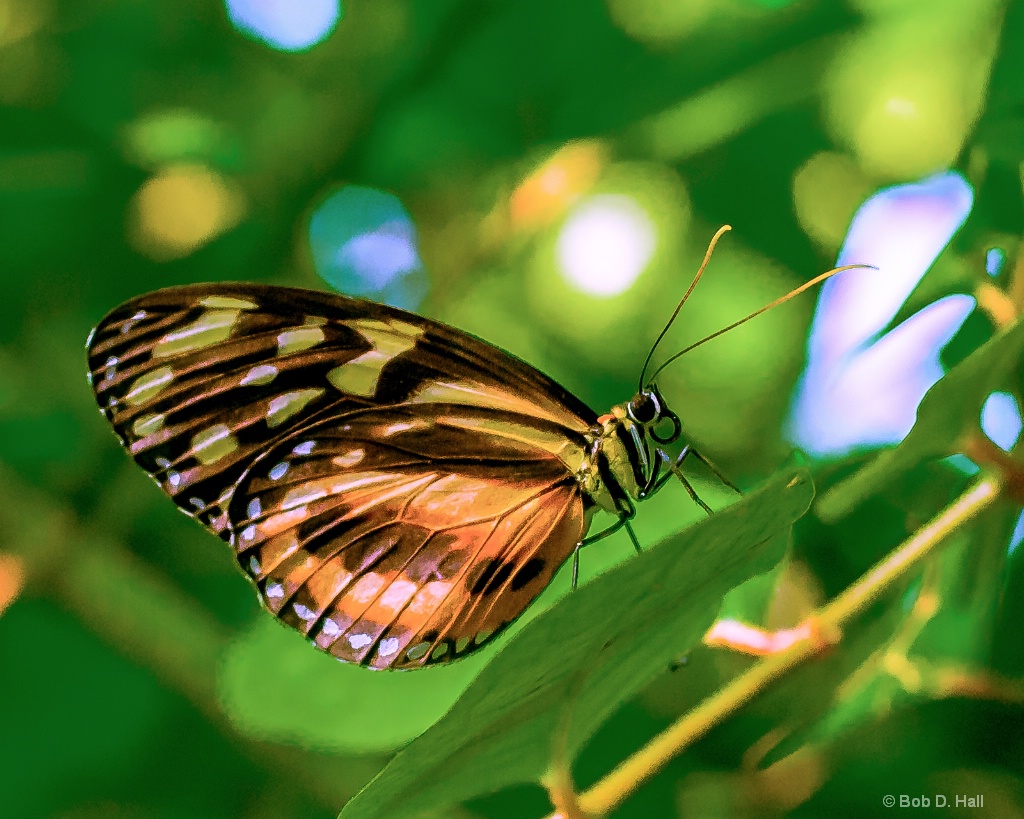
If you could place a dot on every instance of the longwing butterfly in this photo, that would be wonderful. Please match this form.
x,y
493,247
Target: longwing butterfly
x,y
397,490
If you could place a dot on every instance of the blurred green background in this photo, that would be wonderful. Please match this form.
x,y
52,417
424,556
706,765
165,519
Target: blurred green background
x,y
548,176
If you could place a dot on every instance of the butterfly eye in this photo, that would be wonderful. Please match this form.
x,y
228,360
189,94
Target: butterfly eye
x,y
644,408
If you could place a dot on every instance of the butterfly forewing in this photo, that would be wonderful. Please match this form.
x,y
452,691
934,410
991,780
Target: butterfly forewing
x,y
398,490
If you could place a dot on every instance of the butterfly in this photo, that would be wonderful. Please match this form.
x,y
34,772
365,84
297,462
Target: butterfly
x,y
398,491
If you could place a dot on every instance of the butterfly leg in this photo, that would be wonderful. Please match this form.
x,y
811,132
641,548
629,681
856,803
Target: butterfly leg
x,y
622,521
657,479
689,488
714,469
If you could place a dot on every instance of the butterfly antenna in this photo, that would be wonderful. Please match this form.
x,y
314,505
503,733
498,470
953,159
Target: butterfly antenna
x,y
781,300
682,301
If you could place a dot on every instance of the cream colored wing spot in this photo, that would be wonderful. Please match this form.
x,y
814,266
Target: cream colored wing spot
x,y
302,495
390,326
349,459
148,424
397,595
366,588
388,340
283,407
210,328
470,393
299,339
429,598
275,524
228,302
259,375
213,443
566,450
404,426
148,386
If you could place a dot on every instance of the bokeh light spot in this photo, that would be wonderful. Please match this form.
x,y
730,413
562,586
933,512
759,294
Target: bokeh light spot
x,y
606,243
285,24
547,192
180,209
995,258
827,190
1000,419
12,579
661,22
1017,536
364,244
175,135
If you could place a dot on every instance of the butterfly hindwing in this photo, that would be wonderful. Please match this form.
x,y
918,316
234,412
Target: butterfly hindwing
x,y
401,537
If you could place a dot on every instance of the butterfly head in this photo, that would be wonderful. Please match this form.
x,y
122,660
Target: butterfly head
x,y
648,410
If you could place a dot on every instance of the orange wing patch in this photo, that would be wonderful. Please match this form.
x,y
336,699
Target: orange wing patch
x,y
403,559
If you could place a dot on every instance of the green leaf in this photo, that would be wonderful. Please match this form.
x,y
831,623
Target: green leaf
x,y
273,686
948,411
573,665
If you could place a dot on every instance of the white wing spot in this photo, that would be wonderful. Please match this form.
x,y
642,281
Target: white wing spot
x,y
139,316
254,566
111,366
304,448
358,641
330,628
173,478
278,471
254,508
275,590
304,612
388,647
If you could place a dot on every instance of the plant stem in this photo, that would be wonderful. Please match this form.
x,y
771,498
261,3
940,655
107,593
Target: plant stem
x,y
826,627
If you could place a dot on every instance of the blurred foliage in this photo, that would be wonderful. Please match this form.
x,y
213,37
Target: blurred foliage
x,y
151,144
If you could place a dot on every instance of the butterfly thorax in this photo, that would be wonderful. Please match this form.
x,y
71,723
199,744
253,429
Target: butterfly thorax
x,y
624,444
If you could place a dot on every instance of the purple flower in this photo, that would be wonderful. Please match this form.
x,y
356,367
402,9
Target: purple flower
x,y
861,387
